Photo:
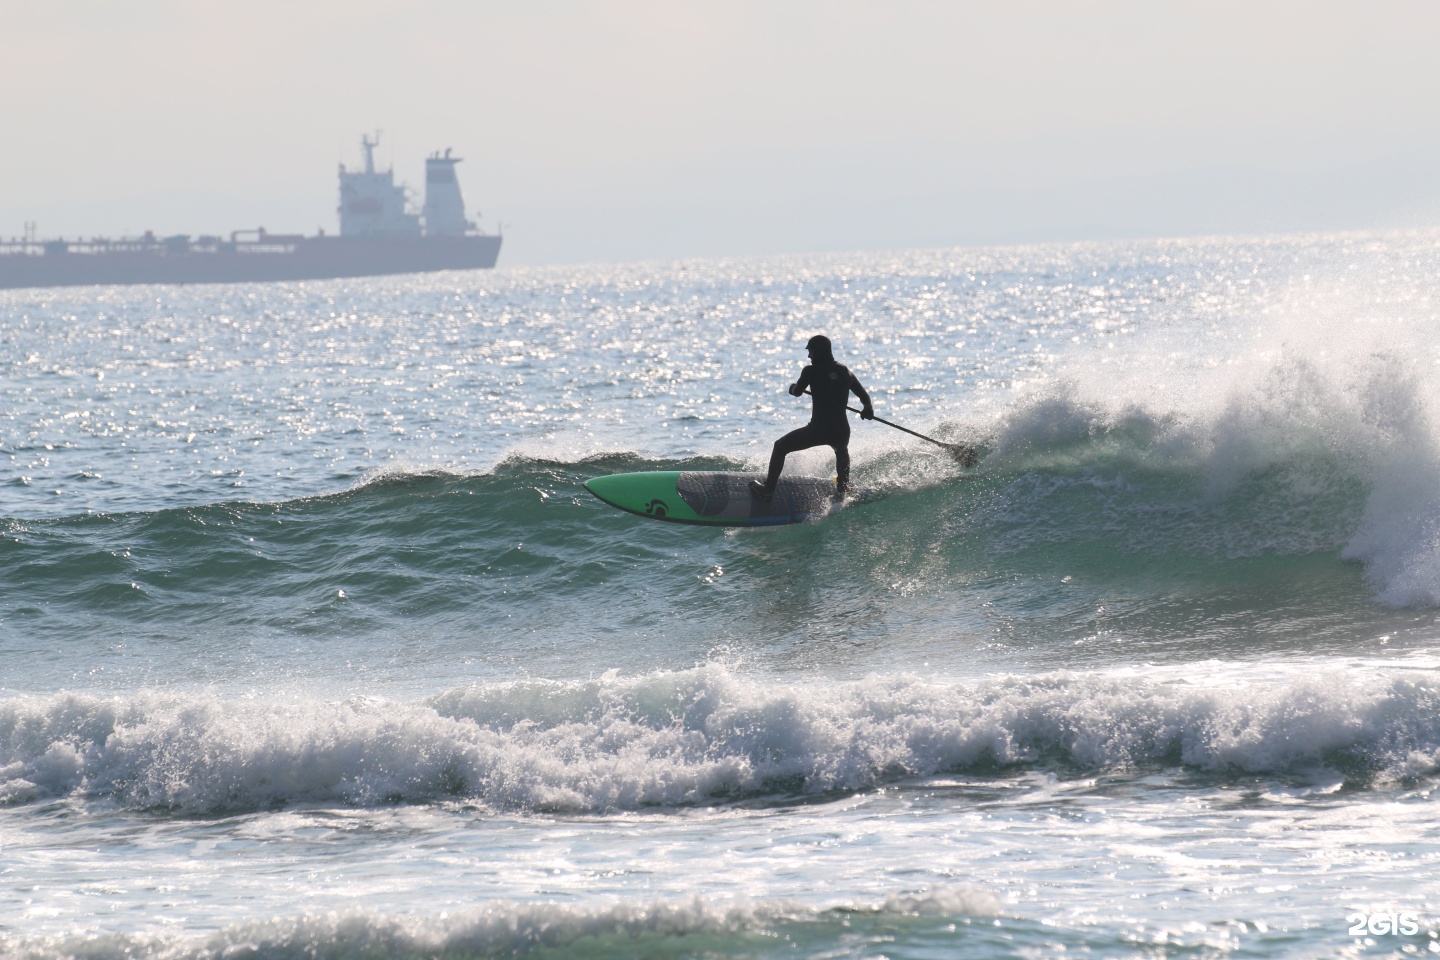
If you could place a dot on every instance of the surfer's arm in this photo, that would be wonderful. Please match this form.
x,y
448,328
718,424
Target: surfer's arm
x,y
797,389
867,410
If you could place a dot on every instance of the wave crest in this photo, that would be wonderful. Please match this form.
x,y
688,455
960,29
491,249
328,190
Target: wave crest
x,y
1305,456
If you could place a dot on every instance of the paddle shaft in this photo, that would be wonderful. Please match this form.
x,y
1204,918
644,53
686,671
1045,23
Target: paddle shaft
x,y
938,443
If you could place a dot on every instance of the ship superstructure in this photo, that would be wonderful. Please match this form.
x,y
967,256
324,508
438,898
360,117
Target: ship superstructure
x,y
371,203
379,234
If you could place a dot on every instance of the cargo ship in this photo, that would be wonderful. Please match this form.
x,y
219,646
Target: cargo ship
x,y
379,234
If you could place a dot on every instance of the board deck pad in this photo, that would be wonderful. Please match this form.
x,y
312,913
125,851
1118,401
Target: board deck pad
x,y
716,499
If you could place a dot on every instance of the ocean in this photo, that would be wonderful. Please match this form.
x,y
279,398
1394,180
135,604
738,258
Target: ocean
x,y
313,643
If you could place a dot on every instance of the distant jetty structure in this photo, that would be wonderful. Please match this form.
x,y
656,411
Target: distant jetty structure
x,y
379,234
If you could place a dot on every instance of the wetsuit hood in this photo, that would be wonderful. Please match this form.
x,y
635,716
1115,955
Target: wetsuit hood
x,y
820,349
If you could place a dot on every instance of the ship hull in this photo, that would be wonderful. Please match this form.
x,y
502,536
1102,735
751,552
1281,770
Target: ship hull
x,y
308,258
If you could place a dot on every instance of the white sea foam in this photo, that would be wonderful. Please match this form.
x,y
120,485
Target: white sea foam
x,y
698,736
507,928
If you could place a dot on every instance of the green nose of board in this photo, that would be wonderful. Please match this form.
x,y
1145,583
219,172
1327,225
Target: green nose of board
x,y
648,494
715,499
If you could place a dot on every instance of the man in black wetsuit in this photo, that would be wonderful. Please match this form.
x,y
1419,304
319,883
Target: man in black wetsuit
x,y
830,385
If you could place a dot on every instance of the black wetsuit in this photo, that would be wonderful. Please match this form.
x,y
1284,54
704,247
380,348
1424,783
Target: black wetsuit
x,y
830,385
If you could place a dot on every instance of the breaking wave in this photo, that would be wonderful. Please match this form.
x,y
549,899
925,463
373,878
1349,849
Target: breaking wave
x,y
701,736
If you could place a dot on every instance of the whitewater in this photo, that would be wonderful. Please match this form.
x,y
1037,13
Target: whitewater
x,y
313,644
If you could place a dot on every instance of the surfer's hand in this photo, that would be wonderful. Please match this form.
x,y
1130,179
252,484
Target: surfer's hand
x,y
796,390
867,414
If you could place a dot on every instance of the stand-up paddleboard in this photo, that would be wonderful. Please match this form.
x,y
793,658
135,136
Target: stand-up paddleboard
x,y
716,499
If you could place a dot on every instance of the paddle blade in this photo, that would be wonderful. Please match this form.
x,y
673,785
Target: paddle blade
x,y
963,455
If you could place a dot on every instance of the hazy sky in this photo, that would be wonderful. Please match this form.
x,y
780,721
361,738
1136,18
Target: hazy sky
x,y
621,130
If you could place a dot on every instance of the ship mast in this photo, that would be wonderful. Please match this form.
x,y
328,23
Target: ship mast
x,y
369,146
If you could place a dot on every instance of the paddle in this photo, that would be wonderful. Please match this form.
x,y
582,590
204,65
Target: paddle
x,y
964,454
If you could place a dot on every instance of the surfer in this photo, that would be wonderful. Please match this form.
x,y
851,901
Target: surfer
x,y
830,385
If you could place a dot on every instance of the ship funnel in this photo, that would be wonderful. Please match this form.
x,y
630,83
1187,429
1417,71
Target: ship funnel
x,y
444,210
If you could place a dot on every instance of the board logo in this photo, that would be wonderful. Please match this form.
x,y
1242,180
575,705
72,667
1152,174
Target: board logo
x,y
656,508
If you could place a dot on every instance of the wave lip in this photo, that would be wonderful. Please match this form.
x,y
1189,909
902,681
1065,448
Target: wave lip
x,y
699,736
